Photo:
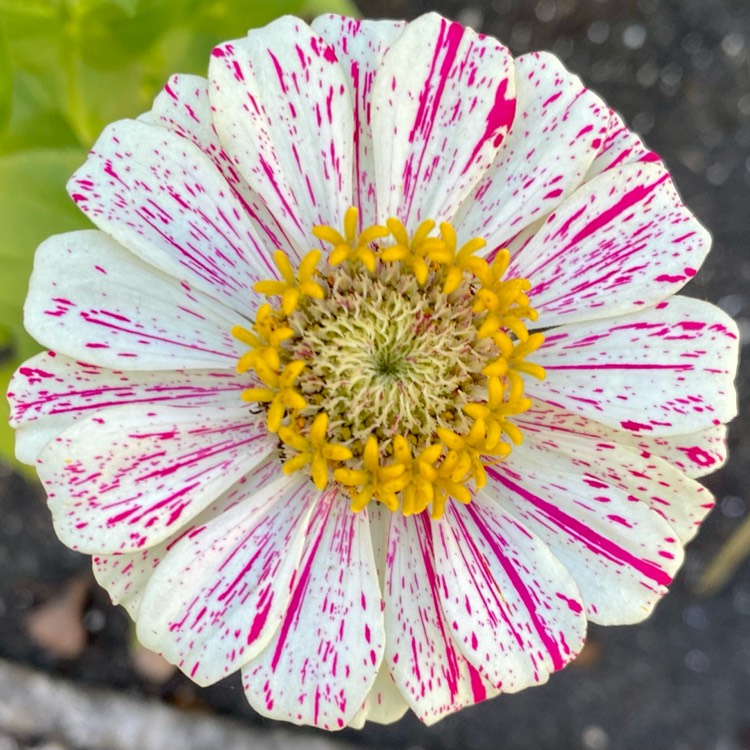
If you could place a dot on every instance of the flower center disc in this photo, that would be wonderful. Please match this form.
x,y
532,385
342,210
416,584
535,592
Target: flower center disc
x,y
397,367
386,356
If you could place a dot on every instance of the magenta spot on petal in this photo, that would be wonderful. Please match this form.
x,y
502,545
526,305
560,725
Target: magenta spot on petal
x,y
629,424
574,605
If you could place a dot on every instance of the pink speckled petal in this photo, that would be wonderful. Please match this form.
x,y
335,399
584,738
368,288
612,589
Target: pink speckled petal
x,y
161,197
667,370
183,106
92,300
51,391
620,243
442,102
283,113
619,147
557,130
695,454
515,611
424,660
130,476
385,703
360,46
323,660
125,575
681,501
619,552
215,601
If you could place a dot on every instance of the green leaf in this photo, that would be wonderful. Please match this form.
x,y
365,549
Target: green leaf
x,y
6,82
312,8
33,206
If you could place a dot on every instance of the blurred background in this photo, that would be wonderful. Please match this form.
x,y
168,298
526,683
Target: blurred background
x,y
679,73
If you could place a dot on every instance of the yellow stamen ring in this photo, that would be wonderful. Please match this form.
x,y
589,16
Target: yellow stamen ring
x,y
384,306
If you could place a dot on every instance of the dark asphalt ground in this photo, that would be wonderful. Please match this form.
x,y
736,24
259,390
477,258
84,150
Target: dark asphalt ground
x,y
679,74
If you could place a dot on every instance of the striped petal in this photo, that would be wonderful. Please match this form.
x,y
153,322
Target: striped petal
x,y
695,454
424,660
184,107
360,46
92,300
125,575
51,391
284,115
620,553
324,658
619,147
515,610
443,100
681,501
667,370
557,130
215,601
622,242
163,198
132,476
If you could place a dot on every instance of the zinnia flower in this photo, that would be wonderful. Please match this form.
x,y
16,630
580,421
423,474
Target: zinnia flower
x,y
371,383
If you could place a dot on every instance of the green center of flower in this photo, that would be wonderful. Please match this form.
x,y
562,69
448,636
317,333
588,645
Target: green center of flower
x,y
397,367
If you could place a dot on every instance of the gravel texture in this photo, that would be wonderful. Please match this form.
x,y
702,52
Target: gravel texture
x,y
678,72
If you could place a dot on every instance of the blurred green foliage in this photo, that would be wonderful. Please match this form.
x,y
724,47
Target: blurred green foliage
x,y
67,68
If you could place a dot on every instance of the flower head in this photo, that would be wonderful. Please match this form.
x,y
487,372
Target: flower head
x,y
371,383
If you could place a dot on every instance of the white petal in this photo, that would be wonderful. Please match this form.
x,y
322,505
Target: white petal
x,y
322,662
622,242
360,46
163,198
216,599
384,704
619,552
516,612
131,476
284,115
695,454
125,575
681,501
619,147
424,661
556,133
92,300
443,100
184,107
51,391
667,370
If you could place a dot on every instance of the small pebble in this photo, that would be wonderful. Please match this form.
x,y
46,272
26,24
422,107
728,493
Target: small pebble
x,y
643,122
634,36
94,620
594,738
545,10
647,75
741,601
733,44
671,74
743,105
471,17
697,661
598,32
732,506
695,617
718,173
